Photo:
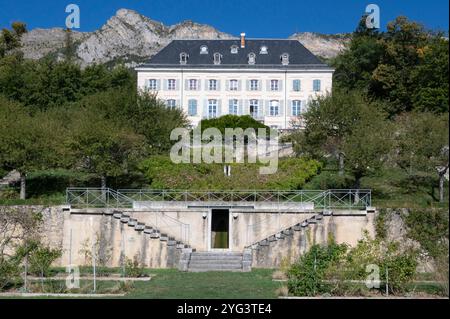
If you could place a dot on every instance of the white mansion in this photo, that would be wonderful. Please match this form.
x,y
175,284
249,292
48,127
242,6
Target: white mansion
x,y
271,80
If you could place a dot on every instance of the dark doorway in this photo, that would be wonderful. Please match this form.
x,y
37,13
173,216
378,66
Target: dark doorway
x,y
220,228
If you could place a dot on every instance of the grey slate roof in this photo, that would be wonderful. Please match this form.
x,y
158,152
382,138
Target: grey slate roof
x,y
299,56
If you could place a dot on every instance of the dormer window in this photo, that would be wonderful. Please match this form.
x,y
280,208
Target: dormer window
x,y
203,49
285,59
217,58
263,50
251,58
183,58
234,49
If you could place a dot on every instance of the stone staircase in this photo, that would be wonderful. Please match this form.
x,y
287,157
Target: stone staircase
x,y
151,231
218,261
289,231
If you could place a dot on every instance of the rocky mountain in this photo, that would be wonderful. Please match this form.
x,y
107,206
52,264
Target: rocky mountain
x,y
133,38
323,45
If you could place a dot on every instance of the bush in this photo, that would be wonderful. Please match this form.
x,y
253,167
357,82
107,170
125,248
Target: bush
x,y
306,276
41,258
332,269
292,173
133,268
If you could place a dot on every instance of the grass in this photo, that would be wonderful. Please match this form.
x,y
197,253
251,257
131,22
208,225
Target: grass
x,y
173,284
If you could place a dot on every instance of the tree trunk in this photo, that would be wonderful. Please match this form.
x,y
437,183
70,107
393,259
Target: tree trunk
x,y
22,186
441,186
341,164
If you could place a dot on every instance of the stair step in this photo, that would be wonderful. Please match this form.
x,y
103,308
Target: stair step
x,y
117,215
139,227
215,262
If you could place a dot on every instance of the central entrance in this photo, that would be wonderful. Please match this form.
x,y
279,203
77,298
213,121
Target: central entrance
x,y
220,226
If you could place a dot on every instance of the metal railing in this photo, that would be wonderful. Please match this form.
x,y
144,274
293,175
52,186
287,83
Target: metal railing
x,y
124,198
82,197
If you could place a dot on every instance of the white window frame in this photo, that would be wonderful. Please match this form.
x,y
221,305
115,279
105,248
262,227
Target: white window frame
x,y
212,108
171,84
253,103
233,85
251,58
296,107
274,108
203,49
217,58
317,82
233,107
254,85
274,85
183,58
212,84
171,103
193,84
152,84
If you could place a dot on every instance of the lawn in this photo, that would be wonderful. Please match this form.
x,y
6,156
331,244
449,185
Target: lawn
x,y
171,283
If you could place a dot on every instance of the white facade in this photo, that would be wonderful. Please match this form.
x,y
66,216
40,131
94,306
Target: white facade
x,y
177,87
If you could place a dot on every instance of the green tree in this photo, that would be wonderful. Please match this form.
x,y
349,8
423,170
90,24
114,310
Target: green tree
x,y
102,146
423,145
329,120
28,143
10,39
367,146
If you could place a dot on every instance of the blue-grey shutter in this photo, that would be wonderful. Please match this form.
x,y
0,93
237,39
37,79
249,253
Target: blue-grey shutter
x,y
280,85
261,107
246,107
164,87
206,85
289,108
186,85
240,107
281,108
259,84
247,85
267,109
177,84
227,85
219,108
205,108
199,84
268,85
158,84
218,85
239,88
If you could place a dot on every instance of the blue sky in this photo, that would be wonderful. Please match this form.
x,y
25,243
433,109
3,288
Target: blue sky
x,y
258,18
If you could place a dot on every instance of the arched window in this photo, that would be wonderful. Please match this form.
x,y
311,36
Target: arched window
x,y
285,59
234,49
263,50
183,58
251,58
217,58
203,49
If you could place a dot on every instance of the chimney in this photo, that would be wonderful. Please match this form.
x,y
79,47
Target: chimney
x,y
242,40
